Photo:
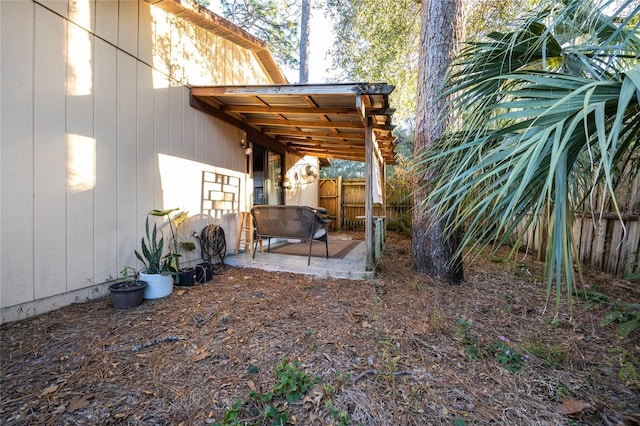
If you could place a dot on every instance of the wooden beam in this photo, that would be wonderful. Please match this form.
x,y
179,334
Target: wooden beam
x,y
253,134
286,110
359,146
312,124
368,202
302,123
354,157
351,136
296,89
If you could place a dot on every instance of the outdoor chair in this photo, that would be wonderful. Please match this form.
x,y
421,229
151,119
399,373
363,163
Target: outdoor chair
x,y
290,222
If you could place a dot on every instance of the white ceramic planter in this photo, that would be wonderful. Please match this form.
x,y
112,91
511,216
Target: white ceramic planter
x,y
158,285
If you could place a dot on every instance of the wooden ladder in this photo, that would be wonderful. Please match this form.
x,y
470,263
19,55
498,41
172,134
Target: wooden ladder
x,y
246,233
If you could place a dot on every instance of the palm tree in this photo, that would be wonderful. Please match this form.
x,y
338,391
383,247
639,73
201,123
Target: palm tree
x,y
542,117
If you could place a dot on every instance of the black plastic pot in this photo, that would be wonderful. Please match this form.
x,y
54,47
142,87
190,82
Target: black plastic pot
x,y
204,272
124,296
186,277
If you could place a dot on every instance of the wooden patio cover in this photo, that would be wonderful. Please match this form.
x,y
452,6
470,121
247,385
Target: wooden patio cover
x,y
323,120
349,121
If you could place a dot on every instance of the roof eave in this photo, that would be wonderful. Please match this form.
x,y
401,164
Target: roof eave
x,y
209,21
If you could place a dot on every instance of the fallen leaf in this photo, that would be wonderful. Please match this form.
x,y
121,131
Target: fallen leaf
x,y
252,386
80,402
181,292
50,389
200,355
571,406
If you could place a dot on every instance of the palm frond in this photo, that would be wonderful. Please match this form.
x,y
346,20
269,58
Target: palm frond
x,y
541,116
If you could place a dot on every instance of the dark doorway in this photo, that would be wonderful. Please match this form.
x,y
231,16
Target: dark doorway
x,y
267,176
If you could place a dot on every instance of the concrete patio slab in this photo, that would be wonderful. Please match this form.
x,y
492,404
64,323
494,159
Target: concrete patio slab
x,y
351,267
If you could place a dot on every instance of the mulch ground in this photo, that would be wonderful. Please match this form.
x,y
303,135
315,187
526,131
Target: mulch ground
x,y
401,349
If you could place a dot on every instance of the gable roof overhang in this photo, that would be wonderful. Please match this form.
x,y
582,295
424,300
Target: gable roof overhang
x,y
328,121
209,21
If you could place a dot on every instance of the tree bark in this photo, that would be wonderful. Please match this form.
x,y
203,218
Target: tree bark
x,y
305,20
441,36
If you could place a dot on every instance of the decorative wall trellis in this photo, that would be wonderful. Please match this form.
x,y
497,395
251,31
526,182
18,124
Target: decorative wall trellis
x,y
220,194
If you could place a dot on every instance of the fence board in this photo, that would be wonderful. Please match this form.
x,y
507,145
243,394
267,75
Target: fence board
x,y
329,193
601,242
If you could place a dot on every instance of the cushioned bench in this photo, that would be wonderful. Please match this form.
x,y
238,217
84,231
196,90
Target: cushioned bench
x,y
291,222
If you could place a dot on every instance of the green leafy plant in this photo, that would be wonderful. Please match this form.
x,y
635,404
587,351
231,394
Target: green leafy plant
x,y
341,417
291,384
173,257
291,381
231,415
624,314
538,125
151,256
591,297
129,277
507,355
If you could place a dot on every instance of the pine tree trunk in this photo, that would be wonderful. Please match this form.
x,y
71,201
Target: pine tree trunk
x,y
304,41
441,35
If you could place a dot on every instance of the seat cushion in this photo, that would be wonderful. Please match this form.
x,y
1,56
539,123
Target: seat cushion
x,y
319,233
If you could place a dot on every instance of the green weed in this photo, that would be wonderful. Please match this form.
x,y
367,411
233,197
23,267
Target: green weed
x,y
626,315
341,417
553,356
627,364
507,355
469,342
267,407
291,381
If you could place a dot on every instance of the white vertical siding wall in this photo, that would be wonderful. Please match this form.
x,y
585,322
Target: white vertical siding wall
x,y
302,194
94,104
17,133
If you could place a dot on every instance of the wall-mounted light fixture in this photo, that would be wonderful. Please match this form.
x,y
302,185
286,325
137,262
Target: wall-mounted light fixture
x,y
245,145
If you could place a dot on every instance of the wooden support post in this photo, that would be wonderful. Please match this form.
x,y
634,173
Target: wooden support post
x,y
339,203
368,204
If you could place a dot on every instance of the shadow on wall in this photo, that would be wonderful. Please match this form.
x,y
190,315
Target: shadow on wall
x,y
210,194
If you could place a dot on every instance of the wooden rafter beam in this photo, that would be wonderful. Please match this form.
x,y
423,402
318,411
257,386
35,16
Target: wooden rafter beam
x,y
296,89
305,124
285,109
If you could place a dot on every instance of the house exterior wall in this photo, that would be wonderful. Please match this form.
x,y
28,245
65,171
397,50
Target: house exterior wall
x,y
96,132
299,191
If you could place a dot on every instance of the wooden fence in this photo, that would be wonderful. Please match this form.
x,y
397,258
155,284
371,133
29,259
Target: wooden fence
x,y
604,242
344,201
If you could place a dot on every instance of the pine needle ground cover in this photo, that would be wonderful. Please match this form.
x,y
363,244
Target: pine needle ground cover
x,y
255,347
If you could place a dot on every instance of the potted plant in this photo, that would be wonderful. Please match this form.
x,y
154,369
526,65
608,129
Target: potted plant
x,y
156,270
129,291
182,276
